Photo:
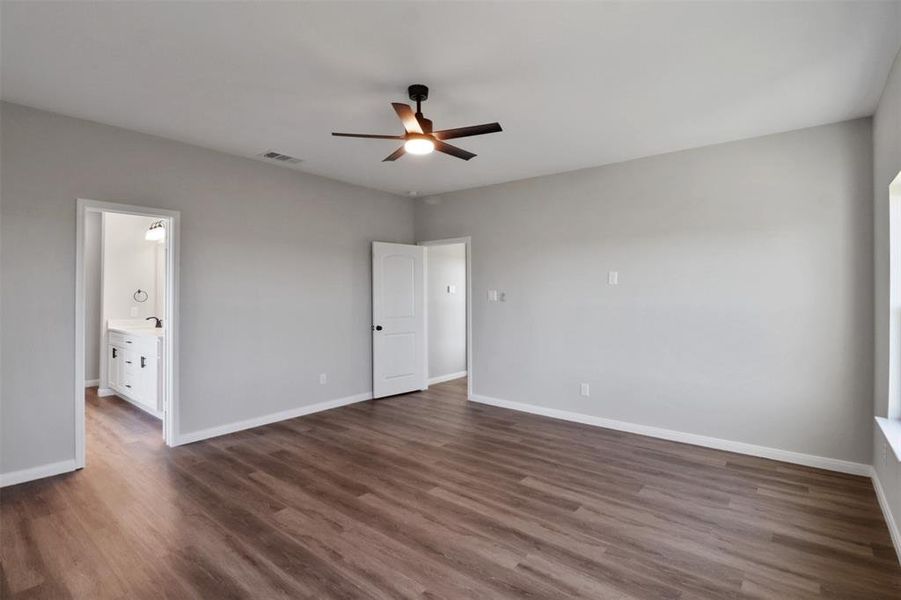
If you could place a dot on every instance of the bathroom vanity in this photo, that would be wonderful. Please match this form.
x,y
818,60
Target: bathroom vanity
x,y
134,358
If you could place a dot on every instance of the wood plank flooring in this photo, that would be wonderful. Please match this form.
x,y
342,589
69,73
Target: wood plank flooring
x,y
428,496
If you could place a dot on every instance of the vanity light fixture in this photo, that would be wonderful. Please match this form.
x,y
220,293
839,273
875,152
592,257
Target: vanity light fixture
x,y
156,232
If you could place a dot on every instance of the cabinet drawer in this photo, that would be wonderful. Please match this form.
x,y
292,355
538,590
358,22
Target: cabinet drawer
x,y
117,339
130,363
130,386
139,343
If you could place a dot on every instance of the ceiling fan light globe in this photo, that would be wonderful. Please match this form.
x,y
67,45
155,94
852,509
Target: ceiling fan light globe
x,y
419,145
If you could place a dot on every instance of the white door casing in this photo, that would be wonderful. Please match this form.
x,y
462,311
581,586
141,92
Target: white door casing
x,y
398,319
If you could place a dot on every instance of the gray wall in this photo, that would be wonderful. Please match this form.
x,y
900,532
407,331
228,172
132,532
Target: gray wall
x,y
275,271
447,312
92,294
744,309
886,165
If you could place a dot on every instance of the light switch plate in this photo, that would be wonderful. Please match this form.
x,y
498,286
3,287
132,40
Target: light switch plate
x,y
613,278
585,391
492,295
452,289
323,378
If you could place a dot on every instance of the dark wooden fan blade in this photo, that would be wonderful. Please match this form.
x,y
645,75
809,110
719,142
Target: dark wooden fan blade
x,y
449,134
395,155
372,136
453,150
411,125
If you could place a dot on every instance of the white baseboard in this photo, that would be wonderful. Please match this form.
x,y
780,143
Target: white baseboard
x,y
809,460
65,466
91,382
448,377
106,392
203,434
887,513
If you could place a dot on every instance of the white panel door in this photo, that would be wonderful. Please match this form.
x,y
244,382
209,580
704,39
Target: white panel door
x,y
398,319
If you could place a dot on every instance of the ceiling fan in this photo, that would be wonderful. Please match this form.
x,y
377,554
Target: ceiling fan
x,y
419,138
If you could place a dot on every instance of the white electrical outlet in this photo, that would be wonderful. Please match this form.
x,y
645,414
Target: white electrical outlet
x,y
451,289
585,391
492,295
323,378
134,311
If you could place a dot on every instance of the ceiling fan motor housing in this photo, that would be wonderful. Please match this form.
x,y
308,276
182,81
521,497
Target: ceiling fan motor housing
x,y
418,92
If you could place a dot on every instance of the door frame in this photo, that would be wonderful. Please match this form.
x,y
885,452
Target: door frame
x,y
170,340
467,242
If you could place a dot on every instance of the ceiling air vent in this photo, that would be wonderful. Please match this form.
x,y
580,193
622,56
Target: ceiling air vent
x,y
279,157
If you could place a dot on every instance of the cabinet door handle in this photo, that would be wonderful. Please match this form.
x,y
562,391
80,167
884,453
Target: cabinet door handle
x,y
128,362
143,362
128,386
115,354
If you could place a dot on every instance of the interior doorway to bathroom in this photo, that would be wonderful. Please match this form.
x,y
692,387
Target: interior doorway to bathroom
x,y
448,316
126,319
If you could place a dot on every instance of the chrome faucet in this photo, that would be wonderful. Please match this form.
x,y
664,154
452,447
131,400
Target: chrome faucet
x,y
159,322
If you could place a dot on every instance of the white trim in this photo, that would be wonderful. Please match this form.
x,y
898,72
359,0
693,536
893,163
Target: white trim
x,y
106,392
809,460
893,530
891,430
467,241
170,341
203,434
16,477
80,318
91,382
448,377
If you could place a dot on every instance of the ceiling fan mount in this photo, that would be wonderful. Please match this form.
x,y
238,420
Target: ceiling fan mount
x,y
418,92
419,136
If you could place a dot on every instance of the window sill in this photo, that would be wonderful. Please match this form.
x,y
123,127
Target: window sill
x,y
891,429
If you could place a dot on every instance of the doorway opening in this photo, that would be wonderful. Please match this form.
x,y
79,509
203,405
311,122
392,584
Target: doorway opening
x,y
126,316
448,313
421,314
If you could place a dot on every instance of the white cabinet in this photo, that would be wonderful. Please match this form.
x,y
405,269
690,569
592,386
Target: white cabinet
x,y
134,373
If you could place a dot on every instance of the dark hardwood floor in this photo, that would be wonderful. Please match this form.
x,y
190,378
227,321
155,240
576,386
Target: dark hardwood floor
x,y
428,496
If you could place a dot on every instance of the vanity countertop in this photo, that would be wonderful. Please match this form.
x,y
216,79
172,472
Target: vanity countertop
x,y
157,332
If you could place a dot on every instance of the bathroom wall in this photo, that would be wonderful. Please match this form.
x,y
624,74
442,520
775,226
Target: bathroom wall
x,y
130,263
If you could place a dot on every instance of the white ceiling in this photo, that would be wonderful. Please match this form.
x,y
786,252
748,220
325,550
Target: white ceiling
x,y
573,84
